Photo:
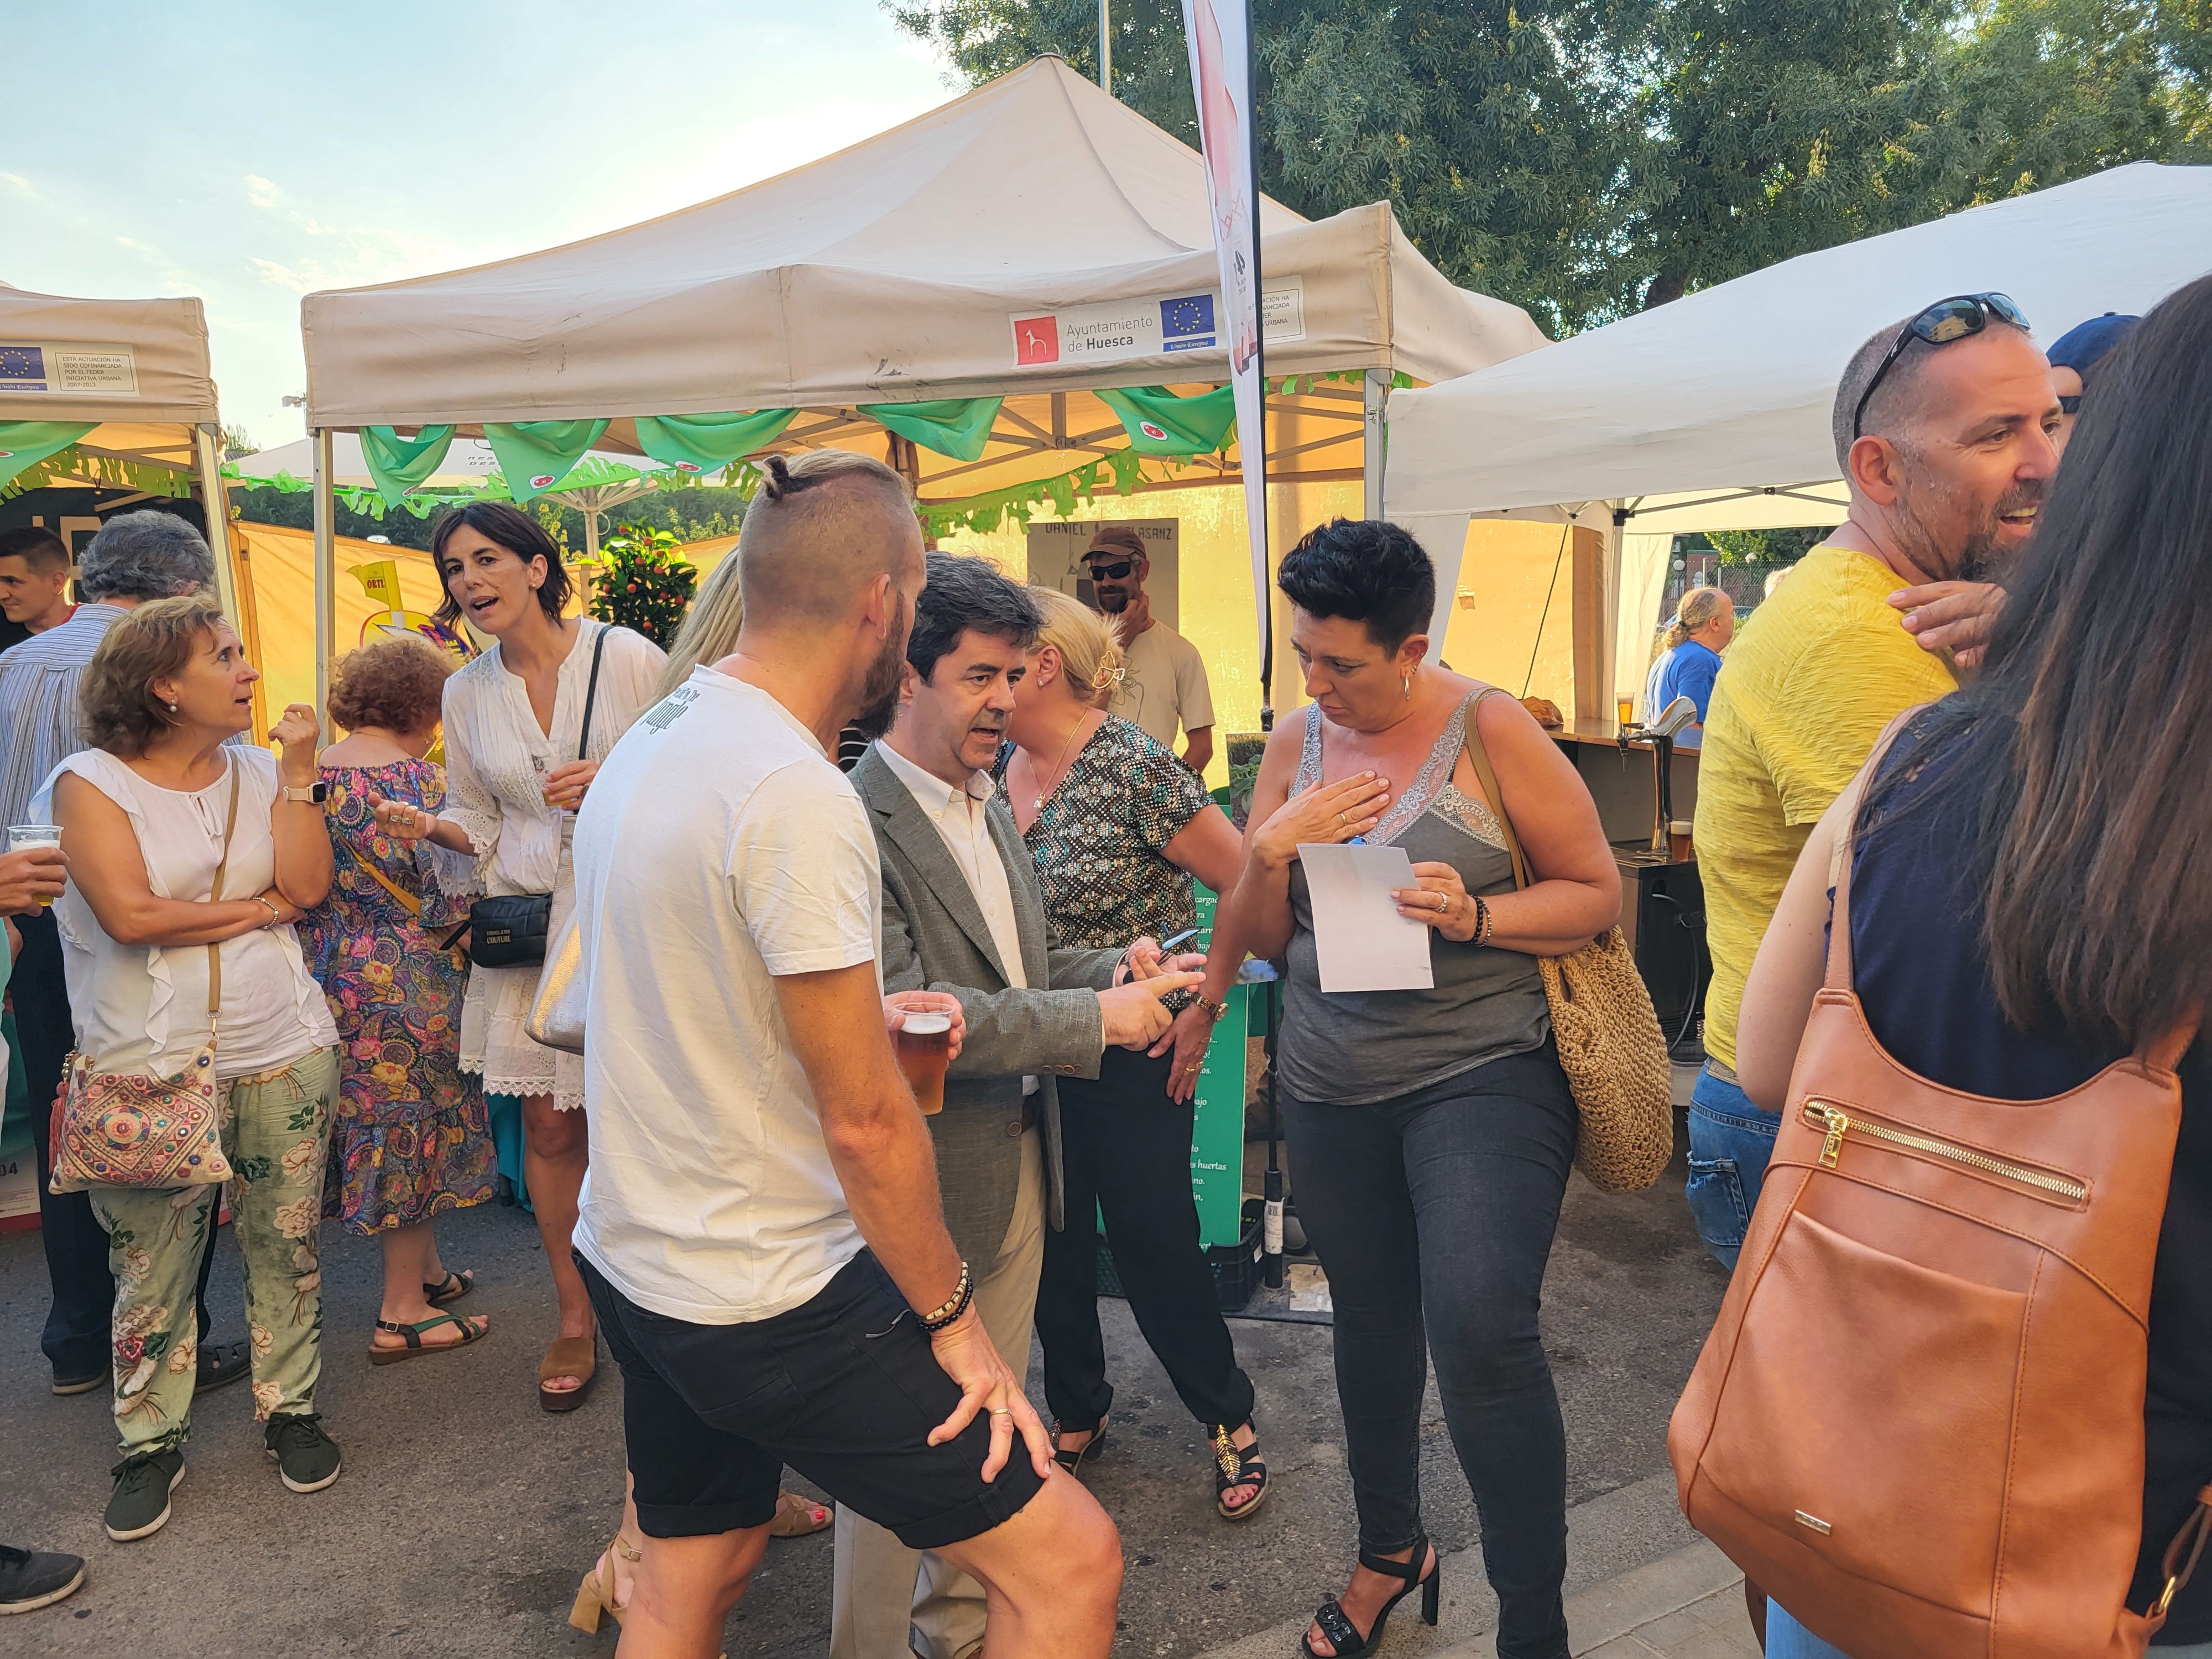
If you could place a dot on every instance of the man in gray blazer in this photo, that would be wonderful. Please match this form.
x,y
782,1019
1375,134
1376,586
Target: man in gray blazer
x,y
963,914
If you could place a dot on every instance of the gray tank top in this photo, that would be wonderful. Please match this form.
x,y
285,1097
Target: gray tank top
x,y
1357,1047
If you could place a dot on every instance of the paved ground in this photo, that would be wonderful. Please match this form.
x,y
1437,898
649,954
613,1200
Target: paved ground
x,y
466,1516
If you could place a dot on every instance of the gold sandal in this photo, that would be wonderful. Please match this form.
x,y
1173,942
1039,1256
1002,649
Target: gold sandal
x,y
595,1597
798,1518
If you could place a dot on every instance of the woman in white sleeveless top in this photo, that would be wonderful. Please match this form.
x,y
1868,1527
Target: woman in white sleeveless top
x,y
143,816
514,723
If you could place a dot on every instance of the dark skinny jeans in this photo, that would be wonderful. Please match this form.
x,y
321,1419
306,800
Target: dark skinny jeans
x,y
1432,1214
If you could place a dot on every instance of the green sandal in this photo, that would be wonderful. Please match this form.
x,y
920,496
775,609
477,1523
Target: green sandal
x,y
453,1288
472,1329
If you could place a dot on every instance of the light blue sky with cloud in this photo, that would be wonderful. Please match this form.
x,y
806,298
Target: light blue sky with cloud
x,y
249,153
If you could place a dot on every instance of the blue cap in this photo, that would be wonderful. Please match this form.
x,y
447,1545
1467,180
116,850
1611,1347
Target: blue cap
x,y
2084,345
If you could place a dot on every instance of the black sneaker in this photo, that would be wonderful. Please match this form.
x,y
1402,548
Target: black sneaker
x,y
30,1579
82,1382
143,1482
307,1457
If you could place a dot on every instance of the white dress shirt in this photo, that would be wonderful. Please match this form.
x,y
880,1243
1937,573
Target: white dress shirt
x,y
962,820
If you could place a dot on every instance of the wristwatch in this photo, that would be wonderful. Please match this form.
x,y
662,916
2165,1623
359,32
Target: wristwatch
x,y
315,792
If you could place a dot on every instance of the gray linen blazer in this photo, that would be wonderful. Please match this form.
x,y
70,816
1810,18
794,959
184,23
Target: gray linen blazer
x,y
935,939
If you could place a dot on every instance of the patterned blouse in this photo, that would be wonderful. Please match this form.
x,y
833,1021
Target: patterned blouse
x,y
1099,836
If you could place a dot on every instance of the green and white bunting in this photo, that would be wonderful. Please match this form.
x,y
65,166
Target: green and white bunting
x,y
397,465
23,442
708,443
1159,422
536,455
958,427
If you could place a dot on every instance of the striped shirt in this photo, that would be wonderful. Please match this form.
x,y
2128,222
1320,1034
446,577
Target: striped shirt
x,y
40,723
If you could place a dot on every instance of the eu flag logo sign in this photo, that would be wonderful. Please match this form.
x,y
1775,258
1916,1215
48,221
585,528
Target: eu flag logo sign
x,y
23,369
1187,323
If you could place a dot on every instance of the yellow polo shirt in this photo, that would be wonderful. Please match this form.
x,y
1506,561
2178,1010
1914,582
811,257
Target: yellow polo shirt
x,y
1815,675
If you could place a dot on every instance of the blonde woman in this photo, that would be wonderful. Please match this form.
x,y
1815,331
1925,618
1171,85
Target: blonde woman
x,y
1118,827
1690,658
160,802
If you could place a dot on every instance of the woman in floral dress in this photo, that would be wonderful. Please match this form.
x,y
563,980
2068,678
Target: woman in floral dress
x,y
410,1140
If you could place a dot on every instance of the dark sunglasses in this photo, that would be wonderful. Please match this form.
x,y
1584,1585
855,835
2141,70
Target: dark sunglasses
x,y
1113,572
1946,320
2072,405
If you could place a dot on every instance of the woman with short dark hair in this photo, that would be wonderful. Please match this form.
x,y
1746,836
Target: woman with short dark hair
x,y
513,723
190,859
1431,1131
411,1140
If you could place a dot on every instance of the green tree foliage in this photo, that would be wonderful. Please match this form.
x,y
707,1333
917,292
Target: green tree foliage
x,y
642,584
1587,158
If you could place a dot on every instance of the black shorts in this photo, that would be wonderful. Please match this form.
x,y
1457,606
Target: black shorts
x,y
845,1389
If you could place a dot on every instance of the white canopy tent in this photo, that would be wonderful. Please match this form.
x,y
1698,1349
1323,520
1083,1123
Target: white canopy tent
x,y
136,371
1712,412
1035,239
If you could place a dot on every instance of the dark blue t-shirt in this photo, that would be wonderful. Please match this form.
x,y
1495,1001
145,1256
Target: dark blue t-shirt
x,y
1687,669
1922,978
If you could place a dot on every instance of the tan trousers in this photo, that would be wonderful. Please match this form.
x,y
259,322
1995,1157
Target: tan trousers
x,y
887,1599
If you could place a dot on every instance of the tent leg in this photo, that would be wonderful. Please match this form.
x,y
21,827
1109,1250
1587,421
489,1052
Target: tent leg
x,y
207,455
1609,612
1374,392
326,593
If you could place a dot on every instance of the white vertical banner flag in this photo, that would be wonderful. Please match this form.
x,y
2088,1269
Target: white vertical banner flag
x,y
1219,34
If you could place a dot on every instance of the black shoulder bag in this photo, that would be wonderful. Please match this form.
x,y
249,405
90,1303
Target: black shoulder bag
x,y
509,930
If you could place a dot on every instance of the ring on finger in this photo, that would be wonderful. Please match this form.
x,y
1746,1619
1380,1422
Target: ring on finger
x,y
1001,1411
1443,903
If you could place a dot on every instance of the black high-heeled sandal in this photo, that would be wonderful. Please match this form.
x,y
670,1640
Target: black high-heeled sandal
x,y
1073,1458
1344,1635
1236,1466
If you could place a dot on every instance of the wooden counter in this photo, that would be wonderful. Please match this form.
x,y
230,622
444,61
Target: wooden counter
x,y
1624,782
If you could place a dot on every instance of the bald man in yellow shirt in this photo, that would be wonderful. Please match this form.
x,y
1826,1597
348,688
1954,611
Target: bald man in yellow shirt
x,y
1943,427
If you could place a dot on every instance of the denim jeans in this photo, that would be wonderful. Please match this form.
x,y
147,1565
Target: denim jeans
x,y
1730,1142
1432,1214
1788,1639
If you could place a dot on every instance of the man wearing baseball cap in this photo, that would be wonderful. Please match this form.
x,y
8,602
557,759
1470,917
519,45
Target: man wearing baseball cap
x,y
1162,687
2074,361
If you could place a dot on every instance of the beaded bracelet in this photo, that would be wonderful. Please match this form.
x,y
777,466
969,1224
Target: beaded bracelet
x,y
953,1306
1482,921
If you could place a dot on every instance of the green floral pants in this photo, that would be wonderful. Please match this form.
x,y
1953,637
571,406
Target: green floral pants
x,y
277,1134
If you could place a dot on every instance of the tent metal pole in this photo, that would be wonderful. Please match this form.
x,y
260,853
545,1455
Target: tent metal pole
x,y
1105,47
1373,393
325,575
207,455
1608,609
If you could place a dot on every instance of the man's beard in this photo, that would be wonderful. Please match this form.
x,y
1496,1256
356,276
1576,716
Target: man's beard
x,y
1984,555
880,694
1112,600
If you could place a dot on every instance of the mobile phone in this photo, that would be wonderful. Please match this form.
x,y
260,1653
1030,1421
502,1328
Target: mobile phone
x,y
1183,937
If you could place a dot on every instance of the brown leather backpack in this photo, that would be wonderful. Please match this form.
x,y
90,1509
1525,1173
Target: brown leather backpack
x,y
1917,1423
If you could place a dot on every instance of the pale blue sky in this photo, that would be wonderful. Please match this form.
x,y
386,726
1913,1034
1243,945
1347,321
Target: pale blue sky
x,y
248,153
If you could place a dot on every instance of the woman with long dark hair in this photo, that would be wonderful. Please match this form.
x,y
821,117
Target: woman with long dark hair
x,y
514,727
2031,890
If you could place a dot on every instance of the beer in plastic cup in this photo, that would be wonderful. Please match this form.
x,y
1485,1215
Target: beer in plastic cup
x,y
925,1049
1625,708
20,836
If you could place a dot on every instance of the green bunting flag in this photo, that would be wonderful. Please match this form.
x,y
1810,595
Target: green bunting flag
x,y
535,455
958,427
708,443
22,443
397,464
1159,422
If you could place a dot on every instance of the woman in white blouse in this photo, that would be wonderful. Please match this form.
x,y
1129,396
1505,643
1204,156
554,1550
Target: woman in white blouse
x,y
148,817
514,720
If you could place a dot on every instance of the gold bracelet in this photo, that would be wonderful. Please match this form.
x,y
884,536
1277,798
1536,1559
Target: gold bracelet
x,y
1215,1012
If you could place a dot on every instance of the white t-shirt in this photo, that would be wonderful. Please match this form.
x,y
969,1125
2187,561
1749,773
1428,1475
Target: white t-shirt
x,y
719,847
140,1006
1163,685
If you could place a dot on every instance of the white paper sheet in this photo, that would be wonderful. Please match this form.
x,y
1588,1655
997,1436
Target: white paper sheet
x,y
1363,942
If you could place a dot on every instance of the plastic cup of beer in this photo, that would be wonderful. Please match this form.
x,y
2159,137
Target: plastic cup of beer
x,y
20,836
925,1049
1625,708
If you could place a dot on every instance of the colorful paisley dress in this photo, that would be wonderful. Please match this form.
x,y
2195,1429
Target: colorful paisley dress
x,y
411,1137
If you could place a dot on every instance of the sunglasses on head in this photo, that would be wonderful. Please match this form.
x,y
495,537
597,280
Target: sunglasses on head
x,y
1946,320
1114,572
